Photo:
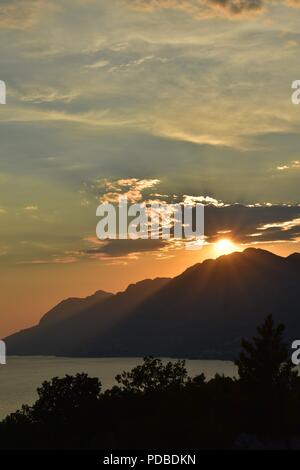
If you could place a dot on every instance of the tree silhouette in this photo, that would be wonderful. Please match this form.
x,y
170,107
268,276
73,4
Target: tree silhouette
x,y
265,362
65,415
156,402
153,375
62,397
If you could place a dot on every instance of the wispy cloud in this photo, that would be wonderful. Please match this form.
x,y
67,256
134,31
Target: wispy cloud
x,y
98,65
31,208
284,226
48,95
294,165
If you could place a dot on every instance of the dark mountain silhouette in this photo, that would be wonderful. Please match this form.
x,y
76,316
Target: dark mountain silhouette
x,y
72,333
204,312
70,307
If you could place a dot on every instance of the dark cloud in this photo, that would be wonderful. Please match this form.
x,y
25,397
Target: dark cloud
x,y
237,7
243,224
203,8
208,8
249,224
120,248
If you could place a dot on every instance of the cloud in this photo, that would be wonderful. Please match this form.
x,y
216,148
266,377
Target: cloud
x,y
293,165
97,118
283,167
190,200
134,63
20,14
246,225
293,3
283,226
122,248
131,188
253,224
203,8
58,260
212,92
208,8
31,208
171,132
237,7
3,250
48,95
98,65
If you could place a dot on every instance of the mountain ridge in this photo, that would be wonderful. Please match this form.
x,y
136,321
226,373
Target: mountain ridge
x,y
203,312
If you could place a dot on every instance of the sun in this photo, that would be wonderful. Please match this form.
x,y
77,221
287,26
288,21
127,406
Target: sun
x,y
224,246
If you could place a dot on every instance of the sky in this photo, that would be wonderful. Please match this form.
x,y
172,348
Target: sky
x,y
169,100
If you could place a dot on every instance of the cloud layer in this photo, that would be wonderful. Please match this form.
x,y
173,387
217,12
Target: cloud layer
x,y
20,14
202,9
166,100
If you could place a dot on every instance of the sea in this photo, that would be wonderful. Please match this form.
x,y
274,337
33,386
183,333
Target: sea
x,y
21,376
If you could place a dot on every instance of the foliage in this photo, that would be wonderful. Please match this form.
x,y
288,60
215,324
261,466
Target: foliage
x,y
152,376
264,362
157,405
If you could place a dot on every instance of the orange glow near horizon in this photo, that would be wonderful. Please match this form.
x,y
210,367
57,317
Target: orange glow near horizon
x,y
29,291
225,246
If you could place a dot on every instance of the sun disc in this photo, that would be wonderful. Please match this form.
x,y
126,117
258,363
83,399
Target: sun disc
x,y
224,246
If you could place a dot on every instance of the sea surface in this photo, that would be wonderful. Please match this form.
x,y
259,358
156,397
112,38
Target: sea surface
x,y
21,376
